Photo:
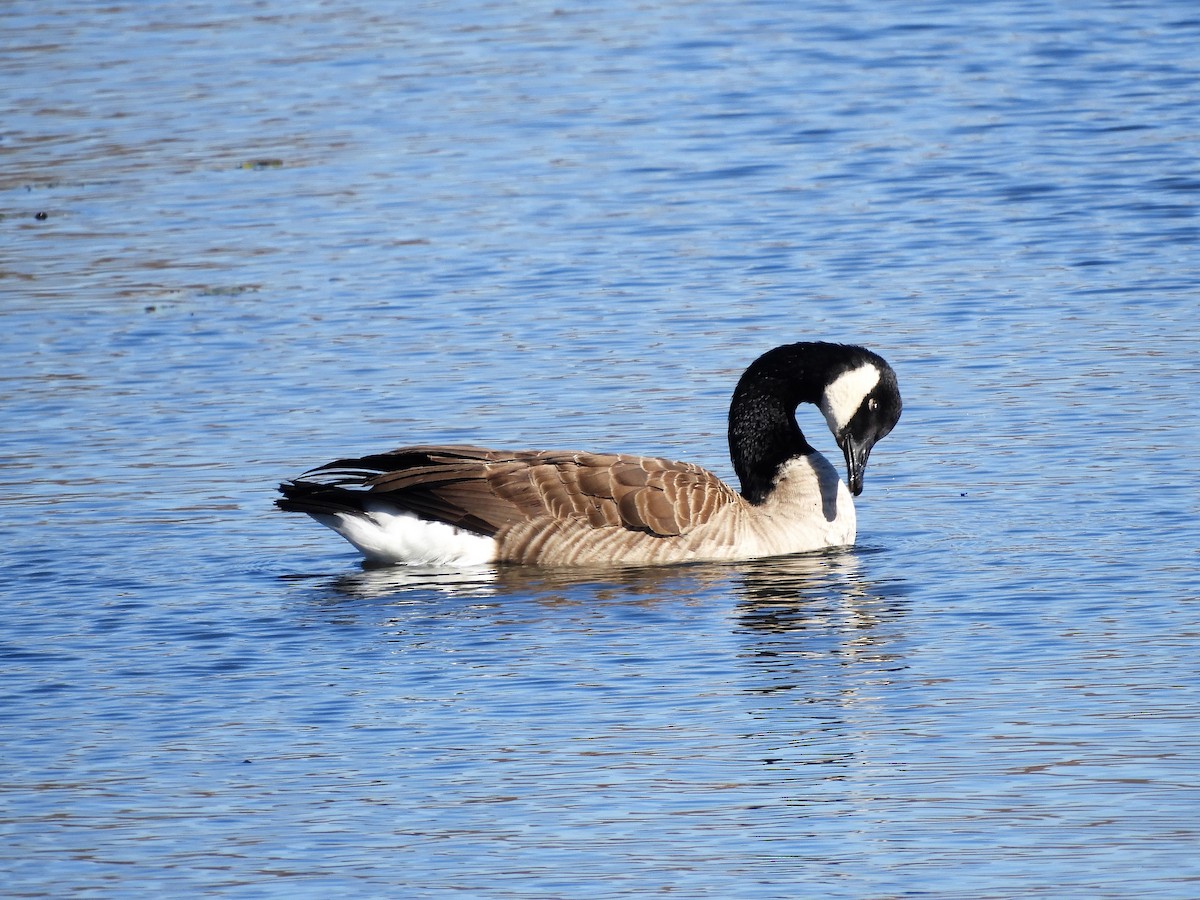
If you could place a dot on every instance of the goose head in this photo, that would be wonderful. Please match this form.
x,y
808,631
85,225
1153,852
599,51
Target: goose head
x,y
861,403
854,388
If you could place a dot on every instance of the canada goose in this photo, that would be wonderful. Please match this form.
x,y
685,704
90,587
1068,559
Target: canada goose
x,y
459,505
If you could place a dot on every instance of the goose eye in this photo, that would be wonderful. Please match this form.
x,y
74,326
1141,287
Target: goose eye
x,y
872,404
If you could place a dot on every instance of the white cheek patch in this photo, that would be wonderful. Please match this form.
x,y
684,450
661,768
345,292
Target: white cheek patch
x,y
845,395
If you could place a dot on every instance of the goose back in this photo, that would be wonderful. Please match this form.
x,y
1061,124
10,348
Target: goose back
x,y
541,506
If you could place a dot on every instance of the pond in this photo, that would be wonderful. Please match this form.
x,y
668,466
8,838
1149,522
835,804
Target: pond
x,y
242,241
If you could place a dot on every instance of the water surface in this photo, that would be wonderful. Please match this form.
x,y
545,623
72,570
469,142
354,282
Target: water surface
x,y
240,242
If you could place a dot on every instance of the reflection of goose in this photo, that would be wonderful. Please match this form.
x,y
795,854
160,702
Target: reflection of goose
x,y
804,618
468,505
476,582
564,585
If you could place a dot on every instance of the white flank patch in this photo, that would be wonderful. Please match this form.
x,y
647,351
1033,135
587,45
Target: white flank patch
x,y
390,535
845,394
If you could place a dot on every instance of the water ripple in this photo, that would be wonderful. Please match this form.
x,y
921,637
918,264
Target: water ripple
x,y
241,242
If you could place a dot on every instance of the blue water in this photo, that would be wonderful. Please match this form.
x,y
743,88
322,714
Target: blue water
x,y
242,240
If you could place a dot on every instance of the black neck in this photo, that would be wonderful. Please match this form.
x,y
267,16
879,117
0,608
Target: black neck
x,y
763,434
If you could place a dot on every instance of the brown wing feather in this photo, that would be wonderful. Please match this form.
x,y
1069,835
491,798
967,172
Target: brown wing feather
x,y
488,490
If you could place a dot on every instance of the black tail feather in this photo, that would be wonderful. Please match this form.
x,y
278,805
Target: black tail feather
x,y
309,497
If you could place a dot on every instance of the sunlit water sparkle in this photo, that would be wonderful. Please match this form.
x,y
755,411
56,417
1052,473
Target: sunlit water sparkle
x,y
239,242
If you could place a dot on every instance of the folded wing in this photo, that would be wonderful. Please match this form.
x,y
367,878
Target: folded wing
x,y
487,491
